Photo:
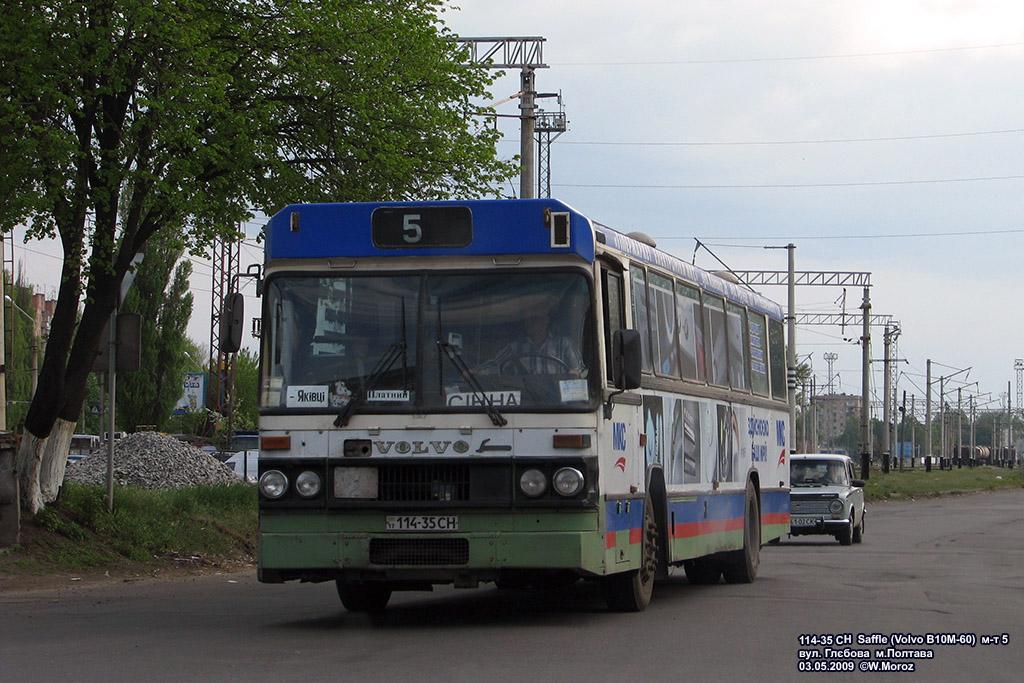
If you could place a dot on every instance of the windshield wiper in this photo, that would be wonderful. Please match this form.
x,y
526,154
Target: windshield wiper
x,y
453,354
392,354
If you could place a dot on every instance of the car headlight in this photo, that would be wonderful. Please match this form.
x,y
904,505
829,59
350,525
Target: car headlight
x,y
533,483
567,481
836,506
273,484
307,484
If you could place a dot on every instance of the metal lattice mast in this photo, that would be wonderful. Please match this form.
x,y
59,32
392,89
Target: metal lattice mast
x,y
550,126
525,53
830,358
1018,367
225,264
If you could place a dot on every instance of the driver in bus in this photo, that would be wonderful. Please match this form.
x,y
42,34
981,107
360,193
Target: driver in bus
x,y
538,351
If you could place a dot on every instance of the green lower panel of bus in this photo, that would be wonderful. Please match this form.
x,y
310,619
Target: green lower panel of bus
x,y
485,541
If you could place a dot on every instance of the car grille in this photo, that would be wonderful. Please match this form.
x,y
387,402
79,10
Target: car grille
x,y
424,482
419,551
809,507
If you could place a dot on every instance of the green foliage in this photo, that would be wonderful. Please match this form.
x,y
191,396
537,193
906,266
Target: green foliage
x,y
917,483
246,409
134,118
147,396
213,522
19,373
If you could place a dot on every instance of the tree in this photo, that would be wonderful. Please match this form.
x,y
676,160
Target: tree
x,y
127,118
148,396
246,404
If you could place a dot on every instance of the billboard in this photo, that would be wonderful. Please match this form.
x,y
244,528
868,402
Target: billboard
x,y
194,395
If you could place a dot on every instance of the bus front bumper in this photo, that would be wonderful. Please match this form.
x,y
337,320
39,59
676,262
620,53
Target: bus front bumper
x,y
297,546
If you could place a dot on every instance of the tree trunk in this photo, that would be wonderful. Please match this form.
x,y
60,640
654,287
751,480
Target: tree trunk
x,y
30,456
55,459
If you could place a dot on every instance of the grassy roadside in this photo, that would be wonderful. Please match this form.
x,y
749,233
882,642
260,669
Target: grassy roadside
x,y
917,483
197,527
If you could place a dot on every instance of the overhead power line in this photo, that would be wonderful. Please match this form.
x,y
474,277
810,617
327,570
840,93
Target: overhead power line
x,y
822,141
956,233
797,58
774,186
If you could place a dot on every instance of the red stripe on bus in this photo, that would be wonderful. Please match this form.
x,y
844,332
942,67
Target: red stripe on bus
x,y
775,518
635,535
609,539
711,526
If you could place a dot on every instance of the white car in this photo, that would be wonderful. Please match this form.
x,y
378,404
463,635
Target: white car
x,y
825,498
245,464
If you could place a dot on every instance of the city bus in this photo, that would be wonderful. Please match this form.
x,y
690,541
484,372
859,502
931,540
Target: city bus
x,y
463,392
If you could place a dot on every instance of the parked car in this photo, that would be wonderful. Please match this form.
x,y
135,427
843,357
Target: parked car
x,y
825,498
243,455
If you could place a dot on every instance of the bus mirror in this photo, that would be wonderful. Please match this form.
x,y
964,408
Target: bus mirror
x,y
626,345
232,318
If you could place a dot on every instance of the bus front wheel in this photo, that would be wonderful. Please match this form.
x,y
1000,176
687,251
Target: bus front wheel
x,y
631,591
357,596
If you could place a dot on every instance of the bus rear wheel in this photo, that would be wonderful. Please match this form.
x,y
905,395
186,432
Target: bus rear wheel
x,y
358,596
631,591
741,565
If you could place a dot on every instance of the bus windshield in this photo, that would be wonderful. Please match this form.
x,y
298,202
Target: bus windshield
x,y
395,343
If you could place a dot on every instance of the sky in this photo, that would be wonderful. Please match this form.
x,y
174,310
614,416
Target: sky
x,y
865,120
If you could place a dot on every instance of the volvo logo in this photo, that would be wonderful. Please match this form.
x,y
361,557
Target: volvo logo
x,y
419,447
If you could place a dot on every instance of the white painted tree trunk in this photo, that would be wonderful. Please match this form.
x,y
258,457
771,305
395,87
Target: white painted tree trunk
x,y
55,459
30,456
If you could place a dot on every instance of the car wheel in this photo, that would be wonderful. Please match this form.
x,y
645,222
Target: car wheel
x,y
845,537
741,565
631,591
358,596
858,533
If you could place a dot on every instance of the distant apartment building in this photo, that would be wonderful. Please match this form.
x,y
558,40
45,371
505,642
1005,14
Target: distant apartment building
x,y
833,412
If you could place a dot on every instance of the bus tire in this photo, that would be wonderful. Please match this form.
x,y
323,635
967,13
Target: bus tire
x,y
631,591
702,571
740,566
359,596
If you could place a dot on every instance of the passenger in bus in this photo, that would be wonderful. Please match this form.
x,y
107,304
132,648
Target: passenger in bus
x,y
539,351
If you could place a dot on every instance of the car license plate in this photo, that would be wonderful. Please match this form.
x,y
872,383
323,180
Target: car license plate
x,y
422,523
803,521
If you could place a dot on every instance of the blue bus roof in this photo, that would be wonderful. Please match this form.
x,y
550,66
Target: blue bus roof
x,y
505,226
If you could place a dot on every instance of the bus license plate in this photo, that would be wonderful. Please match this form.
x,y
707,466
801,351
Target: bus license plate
x,y
804,521
422,523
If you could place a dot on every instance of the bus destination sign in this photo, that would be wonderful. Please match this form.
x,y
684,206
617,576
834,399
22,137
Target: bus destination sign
x,y
411,227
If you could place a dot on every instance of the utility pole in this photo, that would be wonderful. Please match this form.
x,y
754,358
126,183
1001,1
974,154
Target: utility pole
x,y
525,53
814,416
886,389
865,378
1009,424
928,417
959,430
913,431
974,442
942,422
791,348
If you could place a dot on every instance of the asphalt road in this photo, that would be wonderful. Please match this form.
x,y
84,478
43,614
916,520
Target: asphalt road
x,y
952,565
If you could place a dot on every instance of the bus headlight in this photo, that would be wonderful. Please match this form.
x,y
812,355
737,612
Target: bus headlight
x,y
273,484
307,484
836,506
533,483
567,481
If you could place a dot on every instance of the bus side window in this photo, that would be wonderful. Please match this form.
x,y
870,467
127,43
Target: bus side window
x,y
758,354
777,358
716,348
638,292
614,317
736,325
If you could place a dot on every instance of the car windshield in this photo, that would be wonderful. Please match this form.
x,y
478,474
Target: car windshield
x,y
818,473
525,338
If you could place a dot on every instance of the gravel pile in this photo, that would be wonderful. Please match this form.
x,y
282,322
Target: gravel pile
x,y
153,461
